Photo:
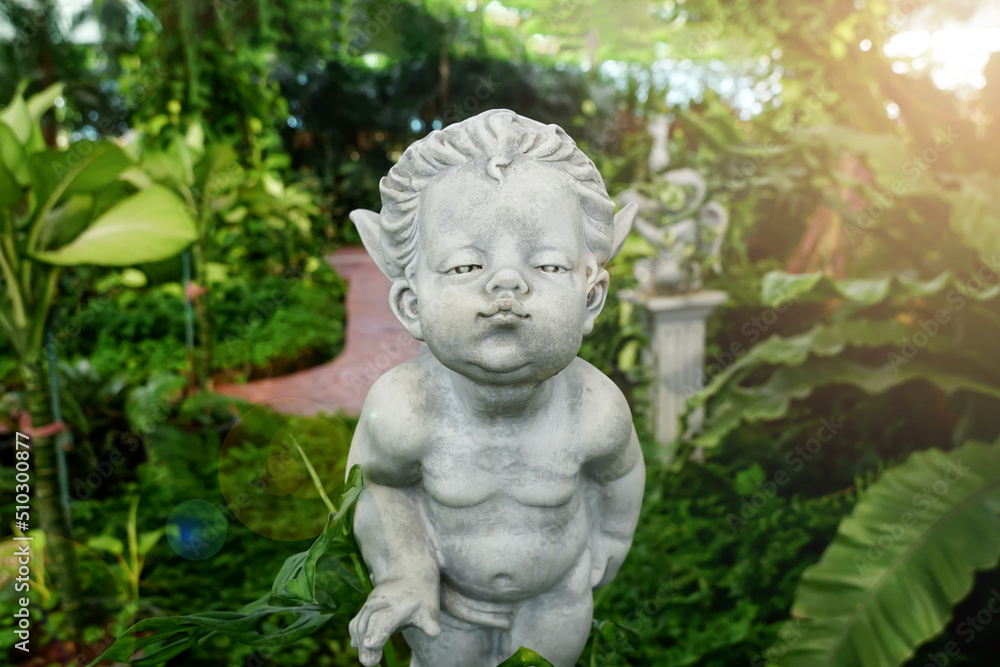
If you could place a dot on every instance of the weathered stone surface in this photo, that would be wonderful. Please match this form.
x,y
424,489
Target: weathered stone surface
x,y
503,474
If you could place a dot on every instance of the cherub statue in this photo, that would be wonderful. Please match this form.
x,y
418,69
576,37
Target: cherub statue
x,y
503,475
685,229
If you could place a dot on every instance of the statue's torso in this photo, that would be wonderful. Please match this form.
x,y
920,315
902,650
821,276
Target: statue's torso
x,y
507,500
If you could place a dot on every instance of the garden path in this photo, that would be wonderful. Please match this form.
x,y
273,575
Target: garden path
x,y
375,341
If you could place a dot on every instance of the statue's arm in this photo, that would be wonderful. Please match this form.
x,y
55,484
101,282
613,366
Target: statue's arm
x,y
391,529
389,521
619,479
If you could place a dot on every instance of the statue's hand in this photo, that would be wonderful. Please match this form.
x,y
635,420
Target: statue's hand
x,y
393,604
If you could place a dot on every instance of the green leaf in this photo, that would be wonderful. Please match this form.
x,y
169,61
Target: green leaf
x,y
779,287
907,553
868,292
17,116
41,102
216,174
66,222
925,289
773,399
145,403
136,177
10,190
85,167
747,480
822,340
106,543
975,213
628,355
148,540
173,635
314,593
12,154
296,580
149,226
525,657
105,162
133,278
165,169
195,138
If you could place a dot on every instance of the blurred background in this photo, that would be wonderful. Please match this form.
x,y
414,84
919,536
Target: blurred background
x,y
180,277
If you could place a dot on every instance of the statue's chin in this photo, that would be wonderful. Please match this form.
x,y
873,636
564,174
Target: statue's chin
x,y
505,362
501,366
502,369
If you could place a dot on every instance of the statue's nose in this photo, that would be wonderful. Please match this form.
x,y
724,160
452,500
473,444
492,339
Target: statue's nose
x,y
506,279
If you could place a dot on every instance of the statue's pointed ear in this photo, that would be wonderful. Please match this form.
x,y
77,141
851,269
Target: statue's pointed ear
x,y
371,236
623,223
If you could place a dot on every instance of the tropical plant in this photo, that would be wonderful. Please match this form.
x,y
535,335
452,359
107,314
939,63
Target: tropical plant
x,y
211,62
207,180
138,545
876,328
907,553
243,215
305,593
867,186
59,209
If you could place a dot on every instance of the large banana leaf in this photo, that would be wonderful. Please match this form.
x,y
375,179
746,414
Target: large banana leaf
x,y
149,226
823,340
772,399
907,553
779,288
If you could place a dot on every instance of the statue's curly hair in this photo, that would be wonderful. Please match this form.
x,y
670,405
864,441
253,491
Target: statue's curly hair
x,y
496,139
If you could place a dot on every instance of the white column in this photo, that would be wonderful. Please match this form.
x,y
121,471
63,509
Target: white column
x,y
676,329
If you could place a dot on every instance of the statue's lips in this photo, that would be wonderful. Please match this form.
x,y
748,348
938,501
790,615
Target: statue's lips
x,y
505,317
505,310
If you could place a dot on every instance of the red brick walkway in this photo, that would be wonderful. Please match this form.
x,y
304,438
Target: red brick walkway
x,y
375,342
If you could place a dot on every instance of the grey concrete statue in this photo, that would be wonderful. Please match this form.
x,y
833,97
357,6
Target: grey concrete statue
x,y
503,476
686,230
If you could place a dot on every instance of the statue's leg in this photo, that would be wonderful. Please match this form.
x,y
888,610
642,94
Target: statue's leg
x,y
460,644
557,623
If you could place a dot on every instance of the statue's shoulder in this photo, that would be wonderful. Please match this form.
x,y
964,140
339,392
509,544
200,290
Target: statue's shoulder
x,y
395,407
601,405
402,377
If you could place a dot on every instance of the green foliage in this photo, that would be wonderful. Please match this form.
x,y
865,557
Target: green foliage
x,y
143,228
525,657
263,327
243,626
715,559
210,63
39,49
886,313
68,198
311,595
907,553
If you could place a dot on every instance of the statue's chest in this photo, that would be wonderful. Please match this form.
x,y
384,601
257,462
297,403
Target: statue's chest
x,y
538,469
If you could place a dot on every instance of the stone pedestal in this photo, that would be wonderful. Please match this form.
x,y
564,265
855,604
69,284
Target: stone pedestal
x,y
676,329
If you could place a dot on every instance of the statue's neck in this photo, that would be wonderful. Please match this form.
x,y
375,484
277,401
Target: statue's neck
x,y
491,401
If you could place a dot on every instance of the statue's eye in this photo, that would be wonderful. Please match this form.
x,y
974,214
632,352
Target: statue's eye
x,y
551,268
467,268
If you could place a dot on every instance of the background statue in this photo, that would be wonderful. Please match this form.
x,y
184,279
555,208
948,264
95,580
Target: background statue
x,y
674,216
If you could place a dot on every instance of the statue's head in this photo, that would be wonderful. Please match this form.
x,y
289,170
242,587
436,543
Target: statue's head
x,y
495,232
